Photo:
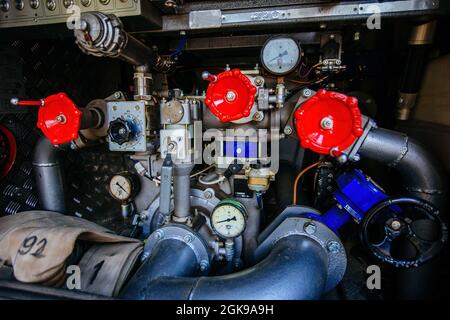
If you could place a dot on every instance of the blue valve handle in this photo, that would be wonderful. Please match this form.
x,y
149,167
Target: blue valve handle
x,y
355,196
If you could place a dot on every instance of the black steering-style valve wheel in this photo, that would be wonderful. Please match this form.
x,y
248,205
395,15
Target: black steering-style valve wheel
x,y
405,232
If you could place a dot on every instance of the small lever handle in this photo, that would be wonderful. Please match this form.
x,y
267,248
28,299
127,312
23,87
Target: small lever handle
x,y
26,103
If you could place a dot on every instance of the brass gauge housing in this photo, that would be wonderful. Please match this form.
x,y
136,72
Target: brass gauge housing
x,y
123,187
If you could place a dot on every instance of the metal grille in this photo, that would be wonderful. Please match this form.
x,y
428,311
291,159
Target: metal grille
x,y
40,69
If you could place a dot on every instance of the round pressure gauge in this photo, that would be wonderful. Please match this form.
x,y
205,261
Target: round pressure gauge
x,y
122,186
280,55
229,219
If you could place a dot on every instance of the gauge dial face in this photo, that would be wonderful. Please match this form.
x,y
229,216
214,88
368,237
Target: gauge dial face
x,y
120,187
281,55
228,220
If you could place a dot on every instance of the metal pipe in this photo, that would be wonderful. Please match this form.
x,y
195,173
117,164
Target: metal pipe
x,y
421,175
103,35
415,63
421,178
182,191
296,268
171,258
49,176
90,118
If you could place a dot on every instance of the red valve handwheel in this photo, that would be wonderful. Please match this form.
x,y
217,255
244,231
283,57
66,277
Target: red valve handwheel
x,y
230,95
58,117
329,122
8,151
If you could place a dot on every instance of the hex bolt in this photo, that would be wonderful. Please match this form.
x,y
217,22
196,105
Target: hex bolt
x,y
307,93
187,238
396,225
287,130
342,158
208,194
117,95
309,227
159,234
334,247
326,123
259,81
204,265
258,116
231,96
143,217
356,157
61,118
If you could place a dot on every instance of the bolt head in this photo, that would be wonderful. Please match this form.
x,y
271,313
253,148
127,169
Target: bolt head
x,y
334,247
287,130
204,265
258,116
159,235
230,96
307,93
208,194
342,158
396,225
61,118
326,123
310,228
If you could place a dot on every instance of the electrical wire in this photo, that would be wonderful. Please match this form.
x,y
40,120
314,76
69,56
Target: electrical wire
x,y
303,76
294,197
208,183
201,171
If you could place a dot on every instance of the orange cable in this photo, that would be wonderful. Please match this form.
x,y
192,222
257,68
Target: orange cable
x,y
298,178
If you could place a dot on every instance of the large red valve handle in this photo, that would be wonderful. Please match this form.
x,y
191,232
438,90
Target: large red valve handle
x,y
58,117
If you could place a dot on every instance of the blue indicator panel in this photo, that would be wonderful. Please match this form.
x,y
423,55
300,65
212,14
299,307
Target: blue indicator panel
x,y
240,149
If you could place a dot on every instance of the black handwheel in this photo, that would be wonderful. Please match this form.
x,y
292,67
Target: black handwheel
x,y
409,219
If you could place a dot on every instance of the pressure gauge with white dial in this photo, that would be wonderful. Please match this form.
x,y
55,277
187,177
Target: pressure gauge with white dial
x,y
229,219
122,187
281,55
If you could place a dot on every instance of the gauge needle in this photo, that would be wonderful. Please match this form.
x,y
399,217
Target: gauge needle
x,y
227,220
118,184
280,55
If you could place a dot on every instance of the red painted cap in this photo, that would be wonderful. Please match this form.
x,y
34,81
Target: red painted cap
x,y
59,118
329,122
230,95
